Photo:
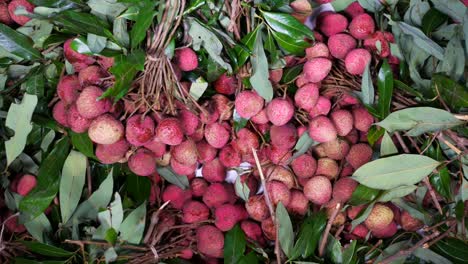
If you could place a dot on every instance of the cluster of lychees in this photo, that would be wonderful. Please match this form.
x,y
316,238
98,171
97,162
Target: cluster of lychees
x,y
8,9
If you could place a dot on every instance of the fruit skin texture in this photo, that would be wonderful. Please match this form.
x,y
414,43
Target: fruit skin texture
x,y
269,229
26,184
67,89
356,61
205,152
226,84
189,122
343,121
194,211
186,59
278,192
229,156
362,26
304,166
179,168
388,231
246,140
75,57
89,105
112,153
185,153
20,20
227,216
360,231
169,132
176,196
4,15
380,217
283,137
198,187
322,107
157,147
214,171
12,225
318,50
257,208
105,130
142,163
336,149
321,129
343,189
139,130
91,75
252,230
216,195
280,111
359,155
298,204
216,135
409,223
248,104
363,120
327,167
341,44
354,9
60,113
307,96
76,121
318,190
281,174
210,241
317,69
332,24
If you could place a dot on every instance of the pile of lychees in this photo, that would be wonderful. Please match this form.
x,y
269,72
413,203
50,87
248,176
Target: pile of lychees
x,y
8,9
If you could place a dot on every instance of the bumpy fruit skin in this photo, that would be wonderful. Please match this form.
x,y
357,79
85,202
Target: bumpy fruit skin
x,y
189,122
89,105
179,168
356,61
67,89
278,156
228,215
210,241
386,232
216,195
257,208
363,120
298,204
169,132
269,229
229,156
360,231
332,24
341,44
252,230
186,254
185,153
317,69
156,146
321,129
186,59
216,135
246,140
106,62
343,189
214,171
280,111
75,57
77,122
91,75
380,217
112,153
354,9
371,44
142,163
60,113
343,121
4,15
359,155
194,211
226,84
304,166
176,196
12,224
318,190
105,130
260,118
248,104
198,187
322,107
278,192
15,4
327,167
307,96
336,149
317,51
206,152
223,106
353,211
408,222
26,184
281,174
283,137
362,26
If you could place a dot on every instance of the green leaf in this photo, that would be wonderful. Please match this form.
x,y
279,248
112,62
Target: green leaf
x,y
385,88
441,182
82,143
349,253
432,20
198,87
334,250
96,43
309,235
169,175
242,189
341,5
387,147
453,249
419,120
35,83
83,23
107,10
46,250
133,227
143,21
249,41
363,195
374,134
367,87
396,193
71,183
19,260
289,44
454,60
285,230
19,120
138,188
124,70
47,180
291,73
392,250
371,5
250,258
430,256
395,171
454,94
17,43
234,245
304,144
286,24
260,75
362,216
453,8
39,228
111,236
411,208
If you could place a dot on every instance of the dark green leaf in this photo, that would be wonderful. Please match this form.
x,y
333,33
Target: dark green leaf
x,y
309,235
169,175
403,86
453,249
248,41
51,3
194,5
286,24
362,216
138,188
334,250
240,123
441,182
250,258
454,94
362,195
374,134
83,23
125,68
234,245
430,256
291,73
385,88
111,236
17,43
83,143
46,250
349,254
19,260
367,87
143,21
432,20
47,180
291,45
71,183
35,83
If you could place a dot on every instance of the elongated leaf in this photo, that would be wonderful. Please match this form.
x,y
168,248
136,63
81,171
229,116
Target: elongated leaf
x,y
432,20
234,245
454,94
385,87
303,144
392,250
309,235
453,8
441,182
250,258
71,183
419,120
138,188
363,195
341,5
371,5
334,250
83,143
83,23
47,180
17,43
395,171
412,210
260,75
430,256
133,227
367,87
291,73
242,189
143,21
289,44
46,250
454,59
362,216
452,248
285,230
396,193
169,175
249,41
19,120
39,228
387,147
288,25
349,253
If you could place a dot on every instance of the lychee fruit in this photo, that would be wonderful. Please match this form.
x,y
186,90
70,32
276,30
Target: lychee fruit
x,y
106,62
216,135
257,208
380,217
214,171
206,152
60,113
304,166
269,229
4,15
359,154
186,59
252,230
75,57
198,187
386,232
89,105
321,129
336,149
91,75
298,204
408,222
362,26
317,69
283,137
246,140
210,241
363,120
280,111
13,225
182,169
223,106
248,104
188,121
354,9
157,147
68,88
17,4
353,211
139,130
25,184
278,192
318,190
322,107
185,153
229,156
275,75
169,132
343,121
112,153
278,156
327,167
176,196
142,162
341,44
318,50
260,118
216,195
194,211
105,129
228,215
226,84
332,24
77,122
282,174
343,189
307,96
357,60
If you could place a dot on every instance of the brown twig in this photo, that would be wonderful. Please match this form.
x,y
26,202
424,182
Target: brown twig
x,y
88,176
402,142
374,247
323,242
433,195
